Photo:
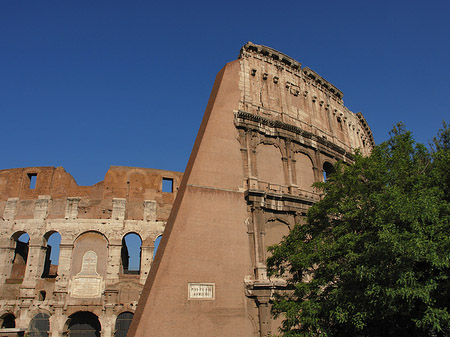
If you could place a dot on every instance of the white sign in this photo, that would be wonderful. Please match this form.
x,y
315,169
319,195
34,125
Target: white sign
x,y
201,291
86,287
87,283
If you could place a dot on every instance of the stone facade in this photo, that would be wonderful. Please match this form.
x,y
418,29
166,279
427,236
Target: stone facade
x,y
92,276
270,130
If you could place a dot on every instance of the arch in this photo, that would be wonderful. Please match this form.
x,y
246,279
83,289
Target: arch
x,y
275,229
271,141
156,245
7,321
269,164
21,241
84,324
89,232
123,322
328,169
304,168
53,241
131,253
40,325
90,241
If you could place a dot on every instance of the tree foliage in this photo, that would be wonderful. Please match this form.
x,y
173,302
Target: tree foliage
x,y
373,258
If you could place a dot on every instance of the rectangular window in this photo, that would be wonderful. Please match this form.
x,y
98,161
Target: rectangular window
x,y
167,185
33,178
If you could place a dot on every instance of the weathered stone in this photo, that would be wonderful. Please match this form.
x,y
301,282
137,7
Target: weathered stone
x,y
248,182
92,221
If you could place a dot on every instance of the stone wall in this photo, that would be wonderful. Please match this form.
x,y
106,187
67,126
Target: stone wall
x,y
270,130
92,274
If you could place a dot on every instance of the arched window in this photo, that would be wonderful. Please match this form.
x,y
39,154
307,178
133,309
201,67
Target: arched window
x,y
39,326
131,253
84,324
304,171
327,170
269,164
20,255
51,255
123,324
156,245
8,321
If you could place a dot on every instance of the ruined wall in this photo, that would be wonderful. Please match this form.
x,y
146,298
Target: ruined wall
x,y
271,129
92,274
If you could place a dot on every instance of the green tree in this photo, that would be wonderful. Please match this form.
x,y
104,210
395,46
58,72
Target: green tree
x,y
373,258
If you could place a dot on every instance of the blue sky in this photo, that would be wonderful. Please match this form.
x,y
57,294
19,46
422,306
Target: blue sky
x,y
89,84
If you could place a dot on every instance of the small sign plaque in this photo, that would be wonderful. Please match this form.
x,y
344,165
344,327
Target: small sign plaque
x,y
201,291
86,287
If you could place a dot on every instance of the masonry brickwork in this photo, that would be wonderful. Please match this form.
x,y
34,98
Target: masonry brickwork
x,y
271,129
92,275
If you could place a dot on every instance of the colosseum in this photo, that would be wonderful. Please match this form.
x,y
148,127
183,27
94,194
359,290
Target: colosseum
x,y
270,130
93,288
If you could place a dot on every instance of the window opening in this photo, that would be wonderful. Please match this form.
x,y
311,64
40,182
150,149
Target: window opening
x,y
20,257
167,185
42,295
156,245
52,256
39,326
123,322
33,178
84,324
131,253
328,169
8,321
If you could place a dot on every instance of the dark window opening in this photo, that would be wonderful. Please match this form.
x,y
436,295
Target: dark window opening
x,y
123,324
42,295
131,254
52,256
39,326
33,178
20,257
167,185
8,321
328,169
84,324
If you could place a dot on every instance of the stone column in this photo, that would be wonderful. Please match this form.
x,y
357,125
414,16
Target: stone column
x,y
34,268
146,261
149,210
57,321
119,206
7,246
106,321
114,263
6,256
64,266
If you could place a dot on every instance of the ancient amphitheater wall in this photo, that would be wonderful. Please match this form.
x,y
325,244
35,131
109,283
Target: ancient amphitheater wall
x,y
271,129
44,210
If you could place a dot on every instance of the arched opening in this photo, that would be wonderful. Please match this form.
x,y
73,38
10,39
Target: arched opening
x,y
84,324
131,253
89,262
328,169
19,264
275,230
156,245
123,324
8,321
39,326
51,255
304,171
269,164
